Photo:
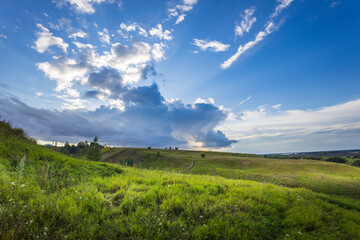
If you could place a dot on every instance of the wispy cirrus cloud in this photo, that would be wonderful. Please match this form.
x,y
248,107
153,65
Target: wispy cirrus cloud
x,y
335,3
274,130
81,6
180,11
246,23
279,8
270,27
214,46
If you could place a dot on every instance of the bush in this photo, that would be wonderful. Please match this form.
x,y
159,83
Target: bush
x,y
203,155
356,163
149,147
336,160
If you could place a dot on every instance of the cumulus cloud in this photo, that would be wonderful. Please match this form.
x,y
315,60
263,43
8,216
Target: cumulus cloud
x,y
214,46
270,27
45,39
158,32
64,70
147,120
79,34
246,23
104,36
128,28
126,63
268,129
81,6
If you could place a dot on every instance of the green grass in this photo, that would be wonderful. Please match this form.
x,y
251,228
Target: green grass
x,y
323,177
51,196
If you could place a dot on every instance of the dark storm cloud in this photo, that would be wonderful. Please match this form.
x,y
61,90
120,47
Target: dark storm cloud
x,y
147,121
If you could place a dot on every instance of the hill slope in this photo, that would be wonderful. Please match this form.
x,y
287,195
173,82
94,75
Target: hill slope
x,y
51,196
319,176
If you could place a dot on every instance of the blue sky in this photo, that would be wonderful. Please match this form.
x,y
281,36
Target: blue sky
x,y
246,76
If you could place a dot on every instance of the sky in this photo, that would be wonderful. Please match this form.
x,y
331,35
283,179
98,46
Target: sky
x,y
260,76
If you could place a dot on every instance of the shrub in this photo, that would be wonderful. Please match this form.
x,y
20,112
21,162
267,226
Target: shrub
x,y
336,160
203,155
149,147
356,163
158,154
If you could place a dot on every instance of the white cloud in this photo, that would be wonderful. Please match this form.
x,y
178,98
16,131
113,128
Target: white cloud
x,y
245,100
45,39
82,45
64,70
39,94
214,46
82,6
180,18
128,28
142,32
269,28
279,8
180,10
264,128
158,32
104,36
335,3
3,36
246,23
79,34
277,106
190,2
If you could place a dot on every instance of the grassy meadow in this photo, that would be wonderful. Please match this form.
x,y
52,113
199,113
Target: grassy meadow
x,y
47,195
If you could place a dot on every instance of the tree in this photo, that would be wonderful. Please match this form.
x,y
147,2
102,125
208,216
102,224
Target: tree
x,y
93,153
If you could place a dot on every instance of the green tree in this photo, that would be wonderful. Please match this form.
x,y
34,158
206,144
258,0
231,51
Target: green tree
x,y
93,152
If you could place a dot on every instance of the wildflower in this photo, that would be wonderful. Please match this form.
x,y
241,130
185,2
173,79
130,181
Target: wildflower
x,y
299,233
22,185
160,224
12,183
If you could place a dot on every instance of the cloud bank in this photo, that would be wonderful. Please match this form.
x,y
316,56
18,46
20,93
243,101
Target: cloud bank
x,y
148,120
273,130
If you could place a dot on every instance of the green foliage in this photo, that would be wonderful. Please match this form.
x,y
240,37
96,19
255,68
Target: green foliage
x,y
336,160
129,161
158,154
149,147
93,152
203,155
21,167
356,163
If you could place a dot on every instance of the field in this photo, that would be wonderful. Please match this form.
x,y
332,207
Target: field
x,y
47,195
340,180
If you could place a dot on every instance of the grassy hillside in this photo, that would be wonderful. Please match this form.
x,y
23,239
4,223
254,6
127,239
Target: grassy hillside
x,y
51,196
322,177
